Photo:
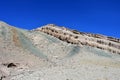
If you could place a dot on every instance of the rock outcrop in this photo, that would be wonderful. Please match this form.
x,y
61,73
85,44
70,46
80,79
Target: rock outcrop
x,y
57,53
81,38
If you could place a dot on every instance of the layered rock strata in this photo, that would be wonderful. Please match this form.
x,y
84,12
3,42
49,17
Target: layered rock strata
x,y
80,38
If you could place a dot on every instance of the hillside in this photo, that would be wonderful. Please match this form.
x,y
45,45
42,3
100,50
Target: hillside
x,y
51,52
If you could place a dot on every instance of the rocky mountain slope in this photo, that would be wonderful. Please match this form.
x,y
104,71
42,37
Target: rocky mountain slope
x,y
81,38
57,53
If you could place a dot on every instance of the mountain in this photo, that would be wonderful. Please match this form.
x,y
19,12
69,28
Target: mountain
x,y
51,52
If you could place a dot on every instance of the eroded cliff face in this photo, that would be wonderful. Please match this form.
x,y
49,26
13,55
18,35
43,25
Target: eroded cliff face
x,y
80,38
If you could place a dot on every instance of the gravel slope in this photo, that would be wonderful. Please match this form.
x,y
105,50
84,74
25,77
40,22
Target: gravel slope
x,y
34,55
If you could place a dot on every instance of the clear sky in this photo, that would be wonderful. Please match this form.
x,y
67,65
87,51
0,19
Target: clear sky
x,y
96,16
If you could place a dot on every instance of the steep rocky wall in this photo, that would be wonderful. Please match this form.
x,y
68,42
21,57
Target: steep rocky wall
x,y
81,38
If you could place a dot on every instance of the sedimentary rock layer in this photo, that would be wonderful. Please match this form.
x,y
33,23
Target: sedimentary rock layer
x,y
80,38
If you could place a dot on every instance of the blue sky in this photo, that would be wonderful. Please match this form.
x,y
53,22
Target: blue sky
x,y
95,16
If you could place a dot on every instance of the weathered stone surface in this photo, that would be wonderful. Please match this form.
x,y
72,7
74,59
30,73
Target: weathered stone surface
x,y
57,53
82,38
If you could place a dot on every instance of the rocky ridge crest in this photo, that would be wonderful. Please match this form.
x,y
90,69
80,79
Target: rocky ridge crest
x,y
81,38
